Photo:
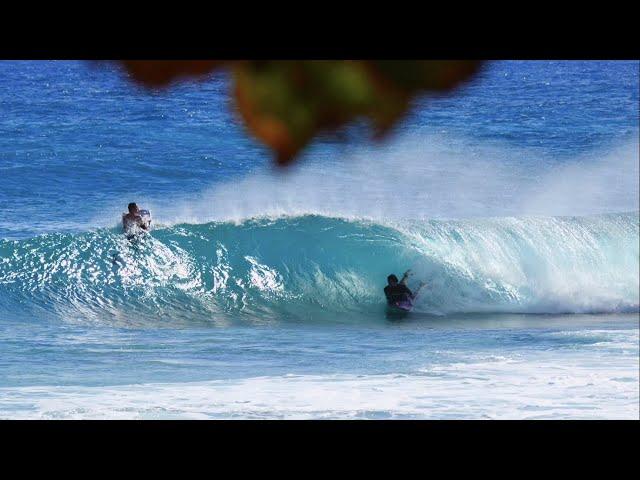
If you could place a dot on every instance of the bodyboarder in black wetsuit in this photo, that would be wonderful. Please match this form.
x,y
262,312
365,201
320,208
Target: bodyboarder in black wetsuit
x,y
397,291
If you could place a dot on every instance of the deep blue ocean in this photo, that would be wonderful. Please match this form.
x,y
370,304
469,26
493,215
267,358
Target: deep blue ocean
x,y
258,292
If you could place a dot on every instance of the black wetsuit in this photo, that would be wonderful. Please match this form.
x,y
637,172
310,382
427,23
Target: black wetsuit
x,y
397,293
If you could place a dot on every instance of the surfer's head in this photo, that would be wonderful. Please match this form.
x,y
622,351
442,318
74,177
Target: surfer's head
x,y
392,279
133,208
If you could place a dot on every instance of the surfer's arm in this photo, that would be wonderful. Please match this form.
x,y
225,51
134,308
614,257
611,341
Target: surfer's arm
x,y
405,277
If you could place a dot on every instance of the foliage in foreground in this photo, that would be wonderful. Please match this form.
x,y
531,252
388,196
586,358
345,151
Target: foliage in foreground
x,y
285,103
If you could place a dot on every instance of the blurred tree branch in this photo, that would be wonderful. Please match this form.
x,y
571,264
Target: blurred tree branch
x,y
285,103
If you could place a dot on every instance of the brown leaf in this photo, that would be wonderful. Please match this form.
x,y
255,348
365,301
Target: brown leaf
x,y
160,73
267,101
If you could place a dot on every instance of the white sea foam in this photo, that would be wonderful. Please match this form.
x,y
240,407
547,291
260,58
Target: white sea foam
x,y
588,383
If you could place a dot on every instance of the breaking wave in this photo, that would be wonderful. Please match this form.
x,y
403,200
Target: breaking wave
x,y
315,267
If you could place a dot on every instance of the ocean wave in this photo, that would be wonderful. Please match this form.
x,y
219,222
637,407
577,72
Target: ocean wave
x,y
315,267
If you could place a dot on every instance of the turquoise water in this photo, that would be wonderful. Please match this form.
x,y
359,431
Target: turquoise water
x,y
258,294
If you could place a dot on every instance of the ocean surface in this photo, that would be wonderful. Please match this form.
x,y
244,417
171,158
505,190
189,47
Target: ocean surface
x,y
258,293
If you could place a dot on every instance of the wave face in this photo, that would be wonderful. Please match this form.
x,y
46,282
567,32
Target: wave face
x,y
309,267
